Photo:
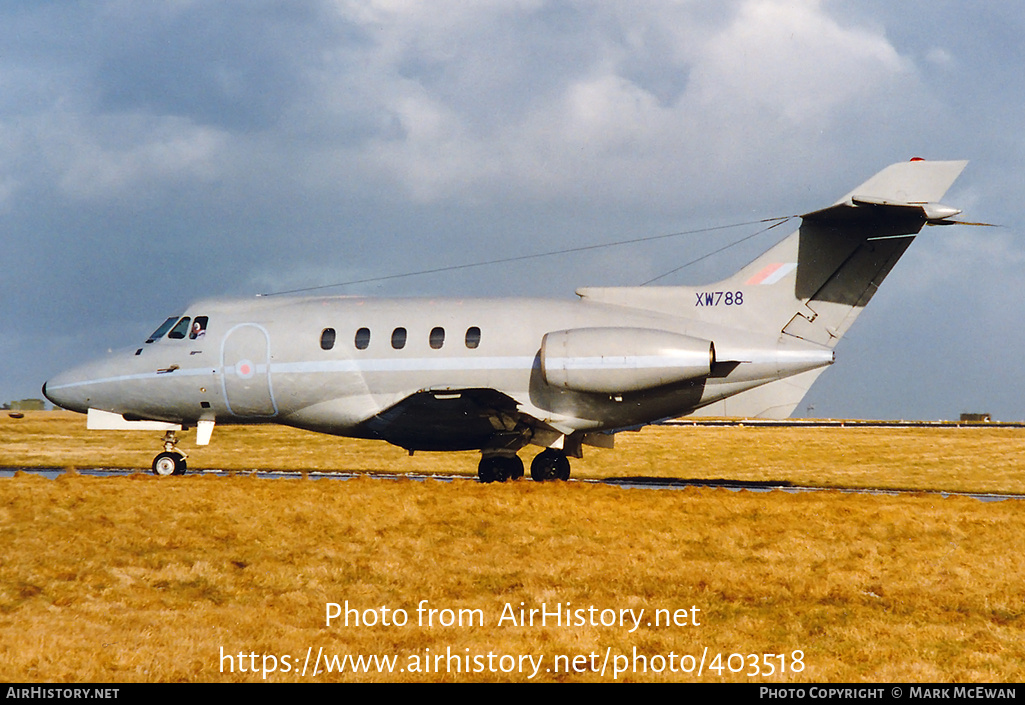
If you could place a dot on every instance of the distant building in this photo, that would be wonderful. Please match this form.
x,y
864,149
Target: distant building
x,y
27,405
976,418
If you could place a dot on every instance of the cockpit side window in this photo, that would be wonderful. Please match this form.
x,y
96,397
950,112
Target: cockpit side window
x,y
164,327
198,327
181,329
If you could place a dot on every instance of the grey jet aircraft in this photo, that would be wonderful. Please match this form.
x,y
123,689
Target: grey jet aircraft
x,y
497,374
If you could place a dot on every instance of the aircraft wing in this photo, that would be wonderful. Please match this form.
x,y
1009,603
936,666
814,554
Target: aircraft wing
x,y
452,419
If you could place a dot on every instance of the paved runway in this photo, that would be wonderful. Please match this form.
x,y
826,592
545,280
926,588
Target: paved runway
x,y
649,483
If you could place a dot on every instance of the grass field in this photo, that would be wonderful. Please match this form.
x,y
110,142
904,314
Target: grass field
x,y
196,578
975,459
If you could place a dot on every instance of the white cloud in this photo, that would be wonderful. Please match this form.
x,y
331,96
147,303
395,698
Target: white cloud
x,y
521,101
702,110
940,57
129,156
793,61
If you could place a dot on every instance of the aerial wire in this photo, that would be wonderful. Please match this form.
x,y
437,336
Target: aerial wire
x,y
723,248
778,220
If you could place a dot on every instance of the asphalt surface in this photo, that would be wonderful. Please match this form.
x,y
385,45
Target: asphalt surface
x,y
649,483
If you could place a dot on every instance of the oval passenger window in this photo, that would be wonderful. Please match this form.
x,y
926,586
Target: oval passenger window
x,y
363,339
327,339
437,338
398,338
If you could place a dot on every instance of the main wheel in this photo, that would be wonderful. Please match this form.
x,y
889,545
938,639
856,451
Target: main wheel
x,y
514,467
499,468
169,463
548,465
487,470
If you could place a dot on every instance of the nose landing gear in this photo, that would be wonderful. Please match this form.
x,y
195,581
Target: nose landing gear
x,y
172,460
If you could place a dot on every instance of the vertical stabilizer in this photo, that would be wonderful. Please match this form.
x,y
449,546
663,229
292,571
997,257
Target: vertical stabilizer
x,y
845,251
814,283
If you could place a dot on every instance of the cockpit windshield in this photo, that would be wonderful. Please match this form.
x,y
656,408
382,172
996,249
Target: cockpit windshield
x,y
181,329
164,327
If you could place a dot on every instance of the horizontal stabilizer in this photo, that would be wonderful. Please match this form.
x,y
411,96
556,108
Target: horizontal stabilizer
x,y
916,181
902,191
866,209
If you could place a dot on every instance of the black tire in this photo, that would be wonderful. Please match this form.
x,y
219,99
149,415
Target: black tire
x,y
499,468
169,463
515,467
549,465
487,470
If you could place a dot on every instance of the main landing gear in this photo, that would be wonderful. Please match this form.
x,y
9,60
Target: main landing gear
x,y
172,460
499,468
548,465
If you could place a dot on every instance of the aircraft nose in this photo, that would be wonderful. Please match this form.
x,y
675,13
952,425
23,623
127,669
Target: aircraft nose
x,y
61,392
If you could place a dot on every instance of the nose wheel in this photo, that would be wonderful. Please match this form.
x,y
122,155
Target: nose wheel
x,y
169,463
172,460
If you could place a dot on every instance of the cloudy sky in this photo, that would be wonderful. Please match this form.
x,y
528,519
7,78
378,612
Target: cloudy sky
x,y
156,152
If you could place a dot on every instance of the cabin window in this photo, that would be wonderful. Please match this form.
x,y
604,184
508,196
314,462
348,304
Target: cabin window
x,y
437,338
198,327
181,329
327,339
362,338
164,327
398,338
472,337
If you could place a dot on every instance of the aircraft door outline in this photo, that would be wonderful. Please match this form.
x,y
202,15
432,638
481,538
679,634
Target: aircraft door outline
x,y
245,372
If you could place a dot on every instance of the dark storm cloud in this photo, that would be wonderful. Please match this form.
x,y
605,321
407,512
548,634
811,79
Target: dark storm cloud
x,y
233,65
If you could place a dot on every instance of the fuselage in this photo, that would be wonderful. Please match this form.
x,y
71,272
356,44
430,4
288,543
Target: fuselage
x,y
333,364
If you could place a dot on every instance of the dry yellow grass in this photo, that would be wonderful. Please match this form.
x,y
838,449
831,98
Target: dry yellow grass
x,y
975,459
140,578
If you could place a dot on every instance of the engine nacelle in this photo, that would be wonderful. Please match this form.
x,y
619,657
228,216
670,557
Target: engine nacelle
x,y
615,360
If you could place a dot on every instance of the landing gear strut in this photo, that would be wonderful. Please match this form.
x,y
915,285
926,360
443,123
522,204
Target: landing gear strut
x,y
499,468
172,460
549,464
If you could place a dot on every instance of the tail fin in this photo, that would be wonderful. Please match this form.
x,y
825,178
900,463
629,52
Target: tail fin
x,y
815,282
845,251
